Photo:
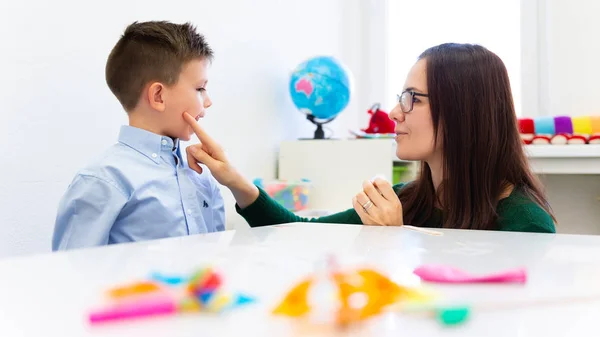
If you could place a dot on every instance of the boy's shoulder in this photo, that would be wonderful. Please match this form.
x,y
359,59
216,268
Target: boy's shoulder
x,y
113,166
112,156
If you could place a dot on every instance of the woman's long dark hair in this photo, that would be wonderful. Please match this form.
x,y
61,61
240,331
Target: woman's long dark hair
x,y
473,112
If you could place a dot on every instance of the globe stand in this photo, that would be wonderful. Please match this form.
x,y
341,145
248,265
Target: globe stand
x,y
319,132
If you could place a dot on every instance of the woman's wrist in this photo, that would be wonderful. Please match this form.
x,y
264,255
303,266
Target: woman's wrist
x,y
244,192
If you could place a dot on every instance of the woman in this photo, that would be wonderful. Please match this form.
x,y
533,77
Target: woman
x,y
456,116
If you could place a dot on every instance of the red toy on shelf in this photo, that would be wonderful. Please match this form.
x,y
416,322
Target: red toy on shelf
x,y
380,121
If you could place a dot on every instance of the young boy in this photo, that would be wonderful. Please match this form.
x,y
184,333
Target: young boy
x,y
142,188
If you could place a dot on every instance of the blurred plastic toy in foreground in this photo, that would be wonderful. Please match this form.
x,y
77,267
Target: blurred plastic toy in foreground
x,y
335,296
202,291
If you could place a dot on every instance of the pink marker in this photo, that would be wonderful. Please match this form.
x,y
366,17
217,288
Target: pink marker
x,y
138,309
444,274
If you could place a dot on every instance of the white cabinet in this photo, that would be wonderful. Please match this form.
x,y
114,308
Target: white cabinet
x,y
337,168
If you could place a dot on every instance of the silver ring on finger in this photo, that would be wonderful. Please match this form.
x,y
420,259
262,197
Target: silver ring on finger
x,y
367,205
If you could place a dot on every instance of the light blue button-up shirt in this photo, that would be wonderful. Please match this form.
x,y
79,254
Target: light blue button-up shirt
x,y
140,189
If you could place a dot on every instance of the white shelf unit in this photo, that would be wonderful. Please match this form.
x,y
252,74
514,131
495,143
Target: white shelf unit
x,y
556,159
564,159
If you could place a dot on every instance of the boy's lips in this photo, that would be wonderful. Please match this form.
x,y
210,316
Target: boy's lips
x,y
197,118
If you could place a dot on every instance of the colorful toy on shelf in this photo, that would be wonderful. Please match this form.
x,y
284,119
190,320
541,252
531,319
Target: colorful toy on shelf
x,y
202,291
560,130
380,122
338,298
293,195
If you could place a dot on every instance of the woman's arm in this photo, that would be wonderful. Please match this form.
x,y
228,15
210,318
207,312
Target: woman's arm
x,y
265,211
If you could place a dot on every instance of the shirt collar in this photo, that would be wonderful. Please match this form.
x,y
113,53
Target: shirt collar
x,y
147,143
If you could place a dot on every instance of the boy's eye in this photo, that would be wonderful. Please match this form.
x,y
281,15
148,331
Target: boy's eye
x,y
201,89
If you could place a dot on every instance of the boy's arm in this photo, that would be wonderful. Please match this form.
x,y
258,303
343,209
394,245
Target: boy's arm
x,y
86,213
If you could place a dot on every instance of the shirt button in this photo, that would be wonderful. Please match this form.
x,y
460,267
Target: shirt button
x,y
164,142
154,155
189,212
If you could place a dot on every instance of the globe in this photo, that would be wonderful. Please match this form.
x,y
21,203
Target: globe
x,y
320,88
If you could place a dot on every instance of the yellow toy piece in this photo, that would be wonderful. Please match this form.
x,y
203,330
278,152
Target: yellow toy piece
x,y
295,303
582,125
219,302
140,288
190,304
363,294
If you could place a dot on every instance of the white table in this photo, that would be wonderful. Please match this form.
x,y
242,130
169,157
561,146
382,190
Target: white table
x,y
50,295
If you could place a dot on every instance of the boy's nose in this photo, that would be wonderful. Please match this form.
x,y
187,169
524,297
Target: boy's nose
x,y
207,102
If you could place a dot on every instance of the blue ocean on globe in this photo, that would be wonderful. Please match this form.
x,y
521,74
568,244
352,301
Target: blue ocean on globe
x,y
320,87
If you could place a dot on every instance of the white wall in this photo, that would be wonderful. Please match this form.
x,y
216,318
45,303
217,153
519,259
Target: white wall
x,y
572,49
494,24
560,57
57,113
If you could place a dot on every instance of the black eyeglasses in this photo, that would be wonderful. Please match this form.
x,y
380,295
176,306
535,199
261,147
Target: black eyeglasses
x,y
406,100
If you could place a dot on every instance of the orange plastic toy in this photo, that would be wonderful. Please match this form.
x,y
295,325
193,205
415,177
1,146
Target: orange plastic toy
x,y
351,296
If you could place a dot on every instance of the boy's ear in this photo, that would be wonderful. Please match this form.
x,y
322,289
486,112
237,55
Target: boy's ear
x,y
156,96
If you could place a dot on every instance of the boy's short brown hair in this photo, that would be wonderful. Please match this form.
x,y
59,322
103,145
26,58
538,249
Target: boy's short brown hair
x,y
151,51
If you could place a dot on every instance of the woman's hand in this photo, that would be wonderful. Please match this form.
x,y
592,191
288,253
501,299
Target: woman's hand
x,y
210,153
378,204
